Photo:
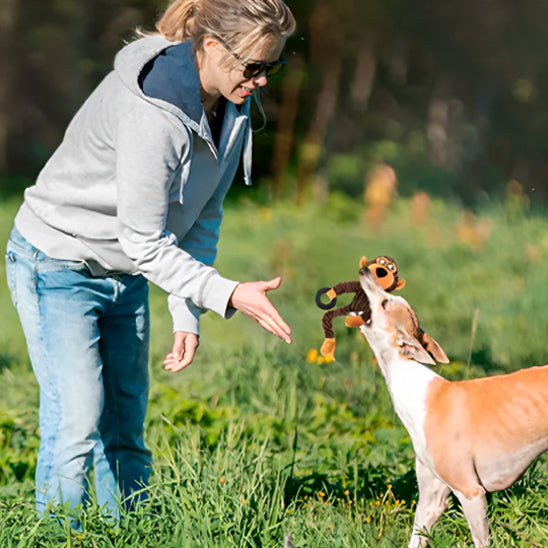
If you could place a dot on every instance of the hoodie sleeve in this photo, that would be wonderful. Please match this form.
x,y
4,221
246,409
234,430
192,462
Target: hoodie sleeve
x,y
186,316
149,153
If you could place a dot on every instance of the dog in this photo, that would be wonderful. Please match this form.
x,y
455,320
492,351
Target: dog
x,y
470,437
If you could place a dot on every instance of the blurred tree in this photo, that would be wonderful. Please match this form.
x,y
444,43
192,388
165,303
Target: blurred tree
x,y
486,73
451,95
7,25
54,52
283,141
324,29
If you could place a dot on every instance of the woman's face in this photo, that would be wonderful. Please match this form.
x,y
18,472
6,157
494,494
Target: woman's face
x,y
231,82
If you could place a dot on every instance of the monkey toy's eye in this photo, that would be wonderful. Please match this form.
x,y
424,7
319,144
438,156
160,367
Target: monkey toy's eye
x,y
391,267
382,261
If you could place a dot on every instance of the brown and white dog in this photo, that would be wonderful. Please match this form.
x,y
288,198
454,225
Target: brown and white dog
x,y
469,437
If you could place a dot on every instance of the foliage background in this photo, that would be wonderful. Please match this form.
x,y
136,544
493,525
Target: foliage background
x,y
453,95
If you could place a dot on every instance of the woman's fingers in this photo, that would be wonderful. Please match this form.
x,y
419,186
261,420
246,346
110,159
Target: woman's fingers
x,y
250,298
183,351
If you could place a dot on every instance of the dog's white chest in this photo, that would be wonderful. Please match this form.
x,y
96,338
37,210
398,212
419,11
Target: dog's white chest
x,y
408,383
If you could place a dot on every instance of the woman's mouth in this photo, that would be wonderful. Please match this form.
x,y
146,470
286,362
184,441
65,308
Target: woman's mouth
x,y
245,92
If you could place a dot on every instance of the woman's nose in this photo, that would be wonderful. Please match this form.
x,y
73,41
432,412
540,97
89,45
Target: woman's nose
x,y
261,80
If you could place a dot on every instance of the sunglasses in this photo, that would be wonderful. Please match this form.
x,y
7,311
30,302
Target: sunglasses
x,y
252,69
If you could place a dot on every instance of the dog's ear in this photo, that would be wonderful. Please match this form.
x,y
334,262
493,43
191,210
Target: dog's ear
x,y
410,347
434,348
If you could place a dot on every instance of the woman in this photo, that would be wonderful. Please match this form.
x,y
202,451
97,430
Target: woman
x,y
134,194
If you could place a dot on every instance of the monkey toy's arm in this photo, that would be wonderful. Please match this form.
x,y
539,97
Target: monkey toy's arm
x,y
333,292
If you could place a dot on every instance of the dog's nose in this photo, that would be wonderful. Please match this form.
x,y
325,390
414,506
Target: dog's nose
x,y
381,272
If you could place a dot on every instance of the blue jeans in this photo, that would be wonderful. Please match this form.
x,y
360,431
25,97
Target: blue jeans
x,y
87,339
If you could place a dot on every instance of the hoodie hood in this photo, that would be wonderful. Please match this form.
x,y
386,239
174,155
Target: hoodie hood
x,y
172,76
134,62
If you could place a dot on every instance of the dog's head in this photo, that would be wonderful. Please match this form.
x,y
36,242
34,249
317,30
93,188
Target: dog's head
x,y
394,324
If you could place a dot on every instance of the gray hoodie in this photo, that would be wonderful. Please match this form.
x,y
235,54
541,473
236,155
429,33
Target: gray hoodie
x,y
137,186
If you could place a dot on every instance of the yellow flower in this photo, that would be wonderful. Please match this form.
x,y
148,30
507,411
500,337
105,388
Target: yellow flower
x,y
244,501
222,480
367,519
377,503
321,494
347,492
312,355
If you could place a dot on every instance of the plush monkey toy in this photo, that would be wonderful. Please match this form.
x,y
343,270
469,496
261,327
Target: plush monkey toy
x,y
384,269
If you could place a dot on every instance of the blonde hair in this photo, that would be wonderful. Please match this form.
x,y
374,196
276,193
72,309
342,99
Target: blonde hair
x,y
246,25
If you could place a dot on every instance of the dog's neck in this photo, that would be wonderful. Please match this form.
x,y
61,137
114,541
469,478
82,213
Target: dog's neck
x,y
404,377
407,382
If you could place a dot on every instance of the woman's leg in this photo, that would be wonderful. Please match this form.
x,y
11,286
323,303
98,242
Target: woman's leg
x,y
60,306
124,351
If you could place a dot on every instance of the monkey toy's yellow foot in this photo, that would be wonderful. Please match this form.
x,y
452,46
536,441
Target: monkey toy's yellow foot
x,y
328,348
353,320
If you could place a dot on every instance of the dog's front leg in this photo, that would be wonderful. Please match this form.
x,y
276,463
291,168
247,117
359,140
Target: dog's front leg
x,y
433,495
475,510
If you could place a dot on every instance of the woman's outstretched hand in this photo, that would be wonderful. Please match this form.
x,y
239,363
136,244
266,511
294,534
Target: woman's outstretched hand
x,y
182,353
250,298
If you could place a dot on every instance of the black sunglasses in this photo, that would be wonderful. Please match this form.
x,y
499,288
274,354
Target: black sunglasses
x,y
252,69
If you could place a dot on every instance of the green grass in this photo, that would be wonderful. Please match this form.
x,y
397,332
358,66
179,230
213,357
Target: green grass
x,y
255,446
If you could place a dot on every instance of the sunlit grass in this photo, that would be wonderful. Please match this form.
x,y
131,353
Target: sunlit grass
x,y
263,444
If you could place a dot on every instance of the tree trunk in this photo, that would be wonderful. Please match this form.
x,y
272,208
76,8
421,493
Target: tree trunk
x,y
312,145
283,140
7,60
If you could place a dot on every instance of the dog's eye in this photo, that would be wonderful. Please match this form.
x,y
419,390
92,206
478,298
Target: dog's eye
x,y
384,303
391,266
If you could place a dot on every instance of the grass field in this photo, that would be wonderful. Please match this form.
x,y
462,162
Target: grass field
x,y
257,444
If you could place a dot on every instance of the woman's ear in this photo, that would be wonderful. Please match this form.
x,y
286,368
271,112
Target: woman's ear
x,y
210,42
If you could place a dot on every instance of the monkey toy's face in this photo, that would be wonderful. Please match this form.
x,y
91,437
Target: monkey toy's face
x,y
385,270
